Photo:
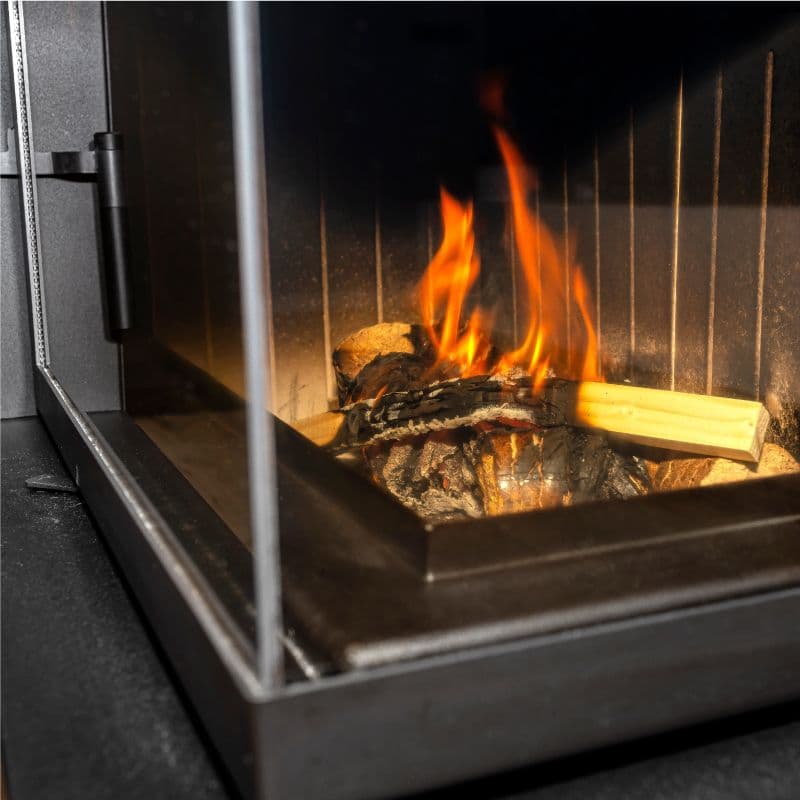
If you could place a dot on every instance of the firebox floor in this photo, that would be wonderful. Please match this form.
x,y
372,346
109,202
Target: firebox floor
x,y
210,450
99,715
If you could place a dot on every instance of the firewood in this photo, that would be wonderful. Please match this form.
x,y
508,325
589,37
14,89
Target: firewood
x,y
327,430
534,469
686,473
441,406
691,423
432,474
395,372
458,403
701,424
358,349
389,356
488,470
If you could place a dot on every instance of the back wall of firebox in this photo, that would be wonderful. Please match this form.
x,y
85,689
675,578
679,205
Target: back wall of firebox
x,y
667,143
664,142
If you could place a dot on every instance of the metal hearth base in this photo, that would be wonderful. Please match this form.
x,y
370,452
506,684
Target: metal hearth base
x,y
562,681
358,583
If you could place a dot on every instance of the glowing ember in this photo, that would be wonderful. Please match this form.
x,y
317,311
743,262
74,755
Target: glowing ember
x,y
560,335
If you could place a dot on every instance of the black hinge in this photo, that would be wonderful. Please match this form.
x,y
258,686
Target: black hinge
x,y
103,163
70,164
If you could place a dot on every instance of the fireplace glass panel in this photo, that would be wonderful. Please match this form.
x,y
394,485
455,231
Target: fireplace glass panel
x,y
669,184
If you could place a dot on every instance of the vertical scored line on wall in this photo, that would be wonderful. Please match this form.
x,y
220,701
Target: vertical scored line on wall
x,y
326,309
631,243
712,272
147,204
538,255
762,235
676,218
378,260
209,338
512,258
597,251
568,264
429,216
273,369
269,311
430,232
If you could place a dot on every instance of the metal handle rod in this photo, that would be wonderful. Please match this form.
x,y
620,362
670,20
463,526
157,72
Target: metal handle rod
x,y
114,229
251,214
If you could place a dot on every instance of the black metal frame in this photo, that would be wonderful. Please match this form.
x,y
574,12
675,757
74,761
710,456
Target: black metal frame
x,y
487,705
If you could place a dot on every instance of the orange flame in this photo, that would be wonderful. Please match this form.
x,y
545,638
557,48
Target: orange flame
x,y
447,282
560,336
590,368
550,341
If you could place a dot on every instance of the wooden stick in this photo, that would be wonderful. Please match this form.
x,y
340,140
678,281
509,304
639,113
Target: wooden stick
x,y
692,423
326,429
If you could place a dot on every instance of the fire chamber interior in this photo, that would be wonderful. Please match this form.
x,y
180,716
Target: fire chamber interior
x,y
664,169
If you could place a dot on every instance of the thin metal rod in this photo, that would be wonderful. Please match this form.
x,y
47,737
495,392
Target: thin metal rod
x,y
107,66
251,213
27,179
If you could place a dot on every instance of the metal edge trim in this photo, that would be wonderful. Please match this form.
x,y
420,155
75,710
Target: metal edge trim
x,y
183,574
409,698
530,642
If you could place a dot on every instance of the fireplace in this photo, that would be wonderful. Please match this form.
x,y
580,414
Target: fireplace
x,y
395,270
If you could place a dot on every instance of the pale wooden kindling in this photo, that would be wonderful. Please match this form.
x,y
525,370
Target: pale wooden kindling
x,y
692,423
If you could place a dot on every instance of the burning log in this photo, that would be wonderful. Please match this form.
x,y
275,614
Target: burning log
x,y
440,406
685,473
553,467
389,356
716,426
431,474
497,470
453,427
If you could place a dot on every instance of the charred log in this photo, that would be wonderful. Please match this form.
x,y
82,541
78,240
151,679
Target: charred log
x,y
441,406
431,474
389,356
456,404
553,467
677,472
499,470
396,372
